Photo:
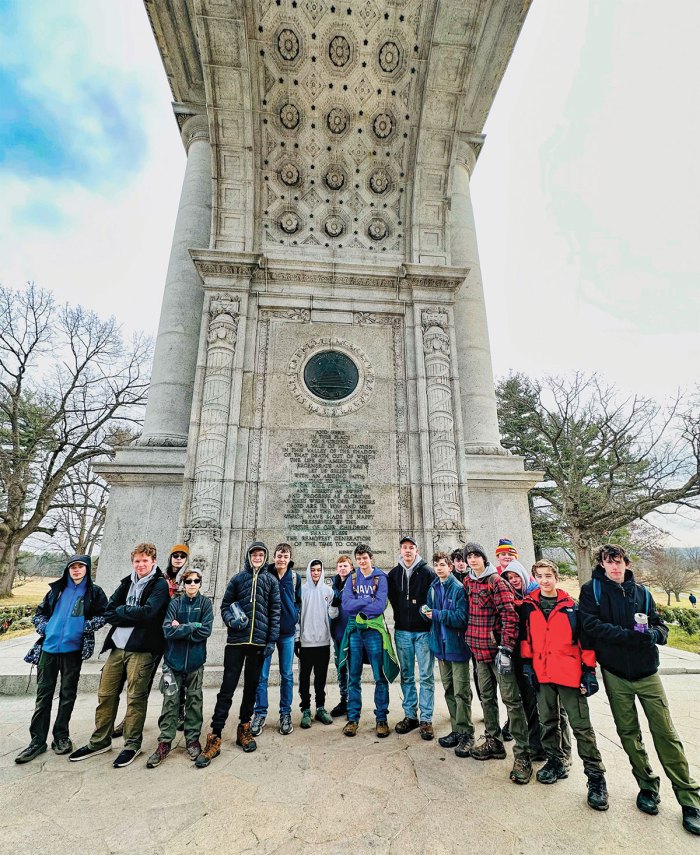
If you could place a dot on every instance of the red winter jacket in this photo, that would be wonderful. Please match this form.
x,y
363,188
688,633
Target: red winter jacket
x,y
549,642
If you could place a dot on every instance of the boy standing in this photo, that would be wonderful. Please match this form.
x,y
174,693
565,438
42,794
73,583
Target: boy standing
x,y
459,566
364,601
562,672
251,611
446,609
629,660
409,583
314,642
66,620
343,568
187,626
282,568
492,634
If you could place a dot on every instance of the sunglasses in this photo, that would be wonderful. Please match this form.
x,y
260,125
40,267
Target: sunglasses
x,y
193,581
179,555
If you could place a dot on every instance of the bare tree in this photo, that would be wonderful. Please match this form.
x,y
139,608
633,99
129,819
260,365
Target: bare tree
x,y
608,459
673,570
67,382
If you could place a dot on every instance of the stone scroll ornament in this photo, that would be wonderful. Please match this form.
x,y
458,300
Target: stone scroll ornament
x,y
443,449
204,532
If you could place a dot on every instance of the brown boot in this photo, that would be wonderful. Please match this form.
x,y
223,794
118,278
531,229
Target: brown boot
x,y
211,750
245,738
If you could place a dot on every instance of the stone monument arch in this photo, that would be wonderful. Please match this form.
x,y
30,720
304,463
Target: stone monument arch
x,y
322,371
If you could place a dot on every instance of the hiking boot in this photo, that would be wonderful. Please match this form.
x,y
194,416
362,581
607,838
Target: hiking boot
x,y
340,708
449,741
245,738
506,735
350,728
552,771
118,731
126,757
691,819
285,726
322,716
194,748
212,749
257,724
181,718
426,731
161,752
647,802
87,751
597,791
305,722
62,746
465,745
521,771
406,725
489,748
30,752
382,728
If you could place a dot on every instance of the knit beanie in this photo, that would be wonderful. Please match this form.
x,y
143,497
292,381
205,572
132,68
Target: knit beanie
x,y
477,548
506,545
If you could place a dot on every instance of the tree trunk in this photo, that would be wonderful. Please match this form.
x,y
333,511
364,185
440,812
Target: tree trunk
x,y
668,598
677,596
8,559
584,560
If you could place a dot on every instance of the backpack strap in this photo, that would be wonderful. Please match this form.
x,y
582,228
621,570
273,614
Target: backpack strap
x,y
596,591
375,584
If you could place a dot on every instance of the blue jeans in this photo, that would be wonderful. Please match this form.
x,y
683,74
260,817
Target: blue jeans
x,y
370,641
412,646
285,651
342,672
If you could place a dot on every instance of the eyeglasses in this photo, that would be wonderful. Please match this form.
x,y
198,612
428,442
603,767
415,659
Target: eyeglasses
x,y
193,581
179,555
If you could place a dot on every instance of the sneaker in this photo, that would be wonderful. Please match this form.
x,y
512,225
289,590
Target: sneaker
x,y
194,748
161,752
506,735
647,802
30,752
449,741
305,723
552,771
322,716
597,791
521,771
212,749
406,725
350,728
340,708
691,819
62,746
118,731
126,758
426,731
489,748
87,751
382,728
285,726
465,745
245,738
257,724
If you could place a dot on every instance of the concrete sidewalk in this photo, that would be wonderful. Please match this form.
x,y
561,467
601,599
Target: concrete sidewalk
x,y
319,792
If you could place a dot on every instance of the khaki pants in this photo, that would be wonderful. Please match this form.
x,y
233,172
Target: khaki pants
x,y
549,699
622,694
458,695
137,668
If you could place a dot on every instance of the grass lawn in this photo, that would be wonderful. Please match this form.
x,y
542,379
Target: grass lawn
x,y
30,593
678,637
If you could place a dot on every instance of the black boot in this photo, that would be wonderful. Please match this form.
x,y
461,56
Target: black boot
x,y
340,708
597,791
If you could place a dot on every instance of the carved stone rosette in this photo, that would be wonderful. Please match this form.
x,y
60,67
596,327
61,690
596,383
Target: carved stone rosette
x,y
204,532
443,449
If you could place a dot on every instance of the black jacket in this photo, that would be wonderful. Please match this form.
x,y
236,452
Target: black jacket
x,y
146,618
608,626
186,644
406,600
258,595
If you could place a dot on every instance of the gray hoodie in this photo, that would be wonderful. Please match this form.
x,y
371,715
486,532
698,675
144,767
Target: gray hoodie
x,y
316,610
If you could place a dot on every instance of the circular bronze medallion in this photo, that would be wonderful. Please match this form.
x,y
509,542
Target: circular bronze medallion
x,y
331,375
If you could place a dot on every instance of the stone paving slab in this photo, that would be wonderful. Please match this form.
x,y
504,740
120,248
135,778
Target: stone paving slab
x,y
317,792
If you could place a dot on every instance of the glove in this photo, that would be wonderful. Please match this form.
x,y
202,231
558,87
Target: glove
x,y
530,676
297,648
589,683
196,625
504,661
270,649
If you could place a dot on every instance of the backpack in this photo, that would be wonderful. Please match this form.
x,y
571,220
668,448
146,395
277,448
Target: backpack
x,y
596,594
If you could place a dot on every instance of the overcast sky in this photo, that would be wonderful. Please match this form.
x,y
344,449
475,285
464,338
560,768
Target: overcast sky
x,y
585,194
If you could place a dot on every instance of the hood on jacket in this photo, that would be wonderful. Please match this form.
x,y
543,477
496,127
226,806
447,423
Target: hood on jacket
x,y
83,559
516,567
258,544
489,570
417,562
309,581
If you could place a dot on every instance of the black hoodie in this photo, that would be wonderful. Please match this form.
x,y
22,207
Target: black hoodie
x,y
406,599
257,592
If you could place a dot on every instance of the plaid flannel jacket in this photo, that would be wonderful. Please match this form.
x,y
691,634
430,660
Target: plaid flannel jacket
x,y
492,620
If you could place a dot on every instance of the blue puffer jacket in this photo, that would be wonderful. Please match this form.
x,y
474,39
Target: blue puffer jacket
x,y
449,620
186,644
258,595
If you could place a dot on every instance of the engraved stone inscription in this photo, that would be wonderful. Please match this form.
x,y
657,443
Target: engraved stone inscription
x,y
329,504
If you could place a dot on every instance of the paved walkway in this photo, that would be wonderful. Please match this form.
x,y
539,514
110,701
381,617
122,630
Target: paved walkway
x,y
318,792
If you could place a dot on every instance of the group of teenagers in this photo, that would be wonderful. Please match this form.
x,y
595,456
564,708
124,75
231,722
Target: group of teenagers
x,y
524,636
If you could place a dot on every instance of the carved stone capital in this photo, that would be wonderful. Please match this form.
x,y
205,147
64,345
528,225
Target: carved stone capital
x,y
468,147
195,127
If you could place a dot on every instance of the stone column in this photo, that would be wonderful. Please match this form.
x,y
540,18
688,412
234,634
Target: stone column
x,y
172,380
476,385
